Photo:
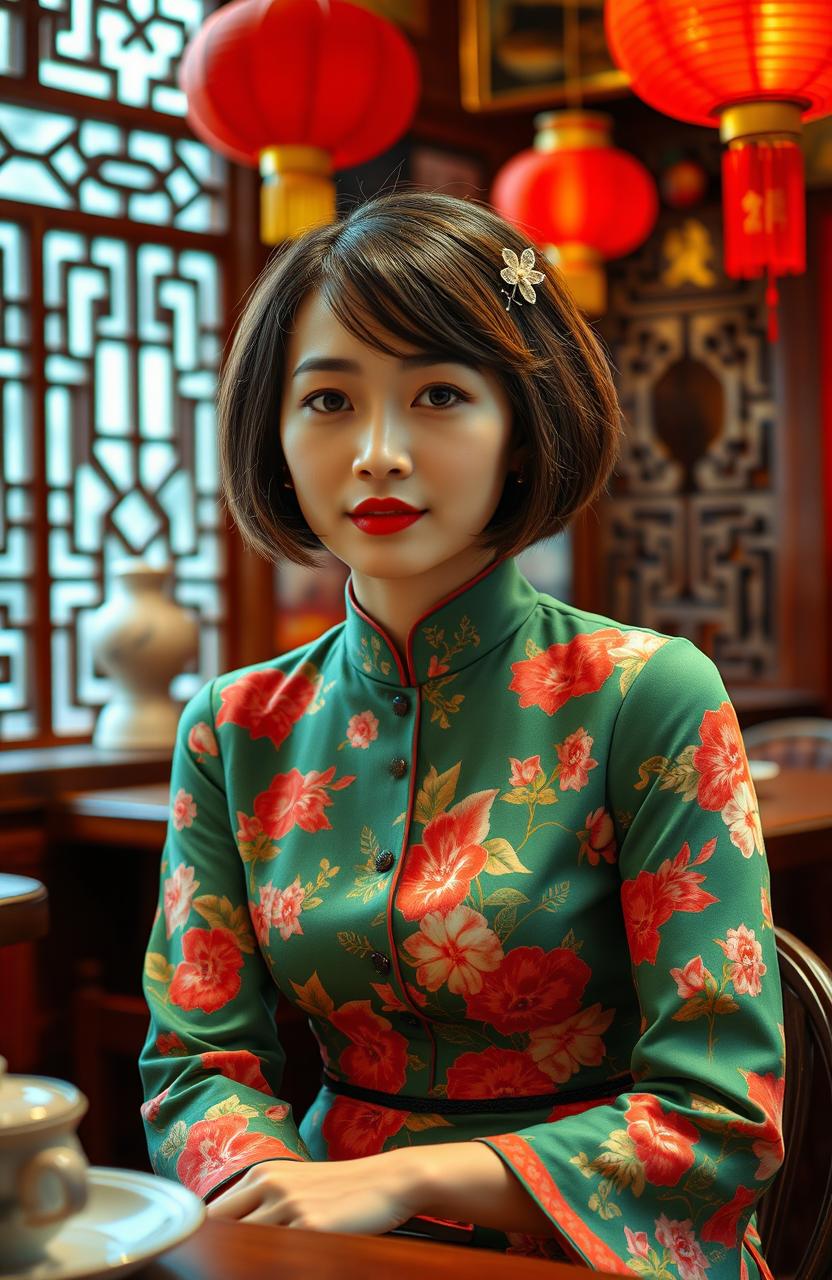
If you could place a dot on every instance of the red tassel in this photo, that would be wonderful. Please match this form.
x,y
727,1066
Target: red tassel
x,y
772,299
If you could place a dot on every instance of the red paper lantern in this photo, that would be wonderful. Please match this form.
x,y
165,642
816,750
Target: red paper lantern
x,y
300,88
576,192
756,69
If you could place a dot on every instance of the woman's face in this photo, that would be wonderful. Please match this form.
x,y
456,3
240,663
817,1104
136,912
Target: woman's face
x,y
356,424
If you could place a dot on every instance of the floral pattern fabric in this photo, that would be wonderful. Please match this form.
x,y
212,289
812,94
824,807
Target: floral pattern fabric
x,y
520,861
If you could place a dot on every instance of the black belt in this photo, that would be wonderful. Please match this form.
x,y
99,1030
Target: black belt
x,y
471,1106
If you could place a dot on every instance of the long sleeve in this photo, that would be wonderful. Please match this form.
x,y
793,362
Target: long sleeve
x,y
663,1179
212,1064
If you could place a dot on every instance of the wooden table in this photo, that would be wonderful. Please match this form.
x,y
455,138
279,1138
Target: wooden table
x,y
796,815
238,1251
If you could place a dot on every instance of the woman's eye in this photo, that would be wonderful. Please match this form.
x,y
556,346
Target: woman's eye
x,y
330,402
441,396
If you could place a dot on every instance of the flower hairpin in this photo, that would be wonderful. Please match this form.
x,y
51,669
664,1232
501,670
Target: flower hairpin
x,y
520,273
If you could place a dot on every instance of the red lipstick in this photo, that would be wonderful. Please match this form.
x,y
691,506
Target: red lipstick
x,y
384,515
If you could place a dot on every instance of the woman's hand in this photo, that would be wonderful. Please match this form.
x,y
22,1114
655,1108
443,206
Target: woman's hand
x,y
367,1196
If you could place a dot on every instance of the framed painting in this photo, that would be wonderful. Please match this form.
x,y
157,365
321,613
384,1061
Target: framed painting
x,y
519,53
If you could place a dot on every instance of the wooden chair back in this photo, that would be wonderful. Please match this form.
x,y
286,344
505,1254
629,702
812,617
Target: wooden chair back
x,y
803,742
795,1217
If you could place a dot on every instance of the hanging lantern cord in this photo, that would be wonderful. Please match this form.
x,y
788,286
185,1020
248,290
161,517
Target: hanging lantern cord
x,y
772,299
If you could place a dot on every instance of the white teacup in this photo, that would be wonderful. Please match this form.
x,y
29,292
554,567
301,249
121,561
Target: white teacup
x,y
43,1170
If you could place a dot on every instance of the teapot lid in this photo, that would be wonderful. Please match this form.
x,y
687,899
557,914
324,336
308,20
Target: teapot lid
x,y
28,1101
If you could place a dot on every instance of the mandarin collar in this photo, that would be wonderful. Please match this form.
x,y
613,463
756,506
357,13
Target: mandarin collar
x,y
454,633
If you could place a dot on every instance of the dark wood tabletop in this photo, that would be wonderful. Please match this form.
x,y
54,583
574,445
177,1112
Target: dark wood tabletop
x,y
238,1251
24,909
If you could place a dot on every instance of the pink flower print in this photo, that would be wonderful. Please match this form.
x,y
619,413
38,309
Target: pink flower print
x,y
683,1247
287,908
454,950
184,809
599,839
262,912
435,667
524,772
362,729
178,891
150,1109
575,761
202,742
277,1113
746,956
742,817
249,828
295,798
576,1042
691,979
636,1242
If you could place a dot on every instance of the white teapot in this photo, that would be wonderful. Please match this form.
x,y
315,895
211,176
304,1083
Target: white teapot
x,y
43,1170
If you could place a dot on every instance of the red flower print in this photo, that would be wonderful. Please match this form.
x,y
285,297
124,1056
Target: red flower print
x,y
418,997
240,1065
746,957
377,1057
437,874
765,907
767,1092
720,761
650,900
209,976
248,829
390,1002
565,671
435,667
636,1242
454,950
202,742
742,818
681,1244
217,1148
266,703
524,772
277,1113
575,761
663,1140
183,809
287,908
723,1226
354,1129
295,798
179,889
150,1109
362,729
531,988
599,838
562,1050
691,980
496,1073
170,1045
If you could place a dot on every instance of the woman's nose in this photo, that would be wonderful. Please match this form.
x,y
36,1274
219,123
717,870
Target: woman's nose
x,y
383,449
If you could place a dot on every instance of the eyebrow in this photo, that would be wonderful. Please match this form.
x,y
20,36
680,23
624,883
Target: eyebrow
x,y
334,364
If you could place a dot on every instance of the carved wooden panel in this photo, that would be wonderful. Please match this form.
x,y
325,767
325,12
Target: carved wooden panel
x,y
696,531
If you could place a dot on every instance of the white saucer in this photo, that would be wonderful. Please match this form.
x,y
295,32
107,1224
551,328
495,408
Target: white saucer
x,y
129,1218
763,770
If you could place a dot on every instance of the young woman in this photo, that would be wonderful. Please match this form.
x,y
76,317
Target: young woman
x,y
504,853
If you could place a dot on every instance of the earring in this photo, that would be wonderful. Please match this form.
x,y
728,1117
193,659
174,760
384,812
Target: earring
x,y
287,483
519,477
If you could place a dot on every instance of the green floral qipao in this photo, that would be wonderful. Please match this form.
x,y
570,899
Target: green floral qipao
x,y
523,863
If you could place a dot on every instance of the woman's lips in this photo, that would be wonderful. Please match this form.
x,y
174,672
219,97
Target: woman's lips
x,y
389,522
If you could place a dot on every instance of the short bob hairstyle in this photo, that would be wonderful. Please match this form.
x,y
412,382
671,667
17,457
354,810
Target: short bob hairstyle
x,y
422,270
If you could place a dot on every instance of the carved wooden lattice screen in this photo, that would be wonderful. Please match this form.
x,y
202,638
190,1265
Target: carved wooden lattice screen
x,y
711,527
112,254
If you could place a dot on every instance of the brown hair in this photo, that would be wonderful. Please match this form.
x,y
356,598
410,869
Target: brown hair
x,y
423,269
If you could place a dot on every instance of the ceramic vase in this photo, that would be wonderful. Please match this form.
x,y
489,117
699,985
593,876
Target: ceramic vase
x,y
141,638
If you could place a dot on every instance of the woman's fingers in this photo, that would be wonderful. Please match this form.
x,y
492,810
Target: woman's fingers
x,y
236,1203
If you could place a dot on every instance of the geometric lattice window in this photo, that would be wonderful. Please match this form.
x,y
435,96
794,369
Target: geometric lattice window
x,y
112,258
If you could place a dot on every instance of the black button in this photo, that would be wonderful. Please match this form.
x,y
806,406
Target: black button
x,y
384,860
381,963
401,705
411,1020
398,766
